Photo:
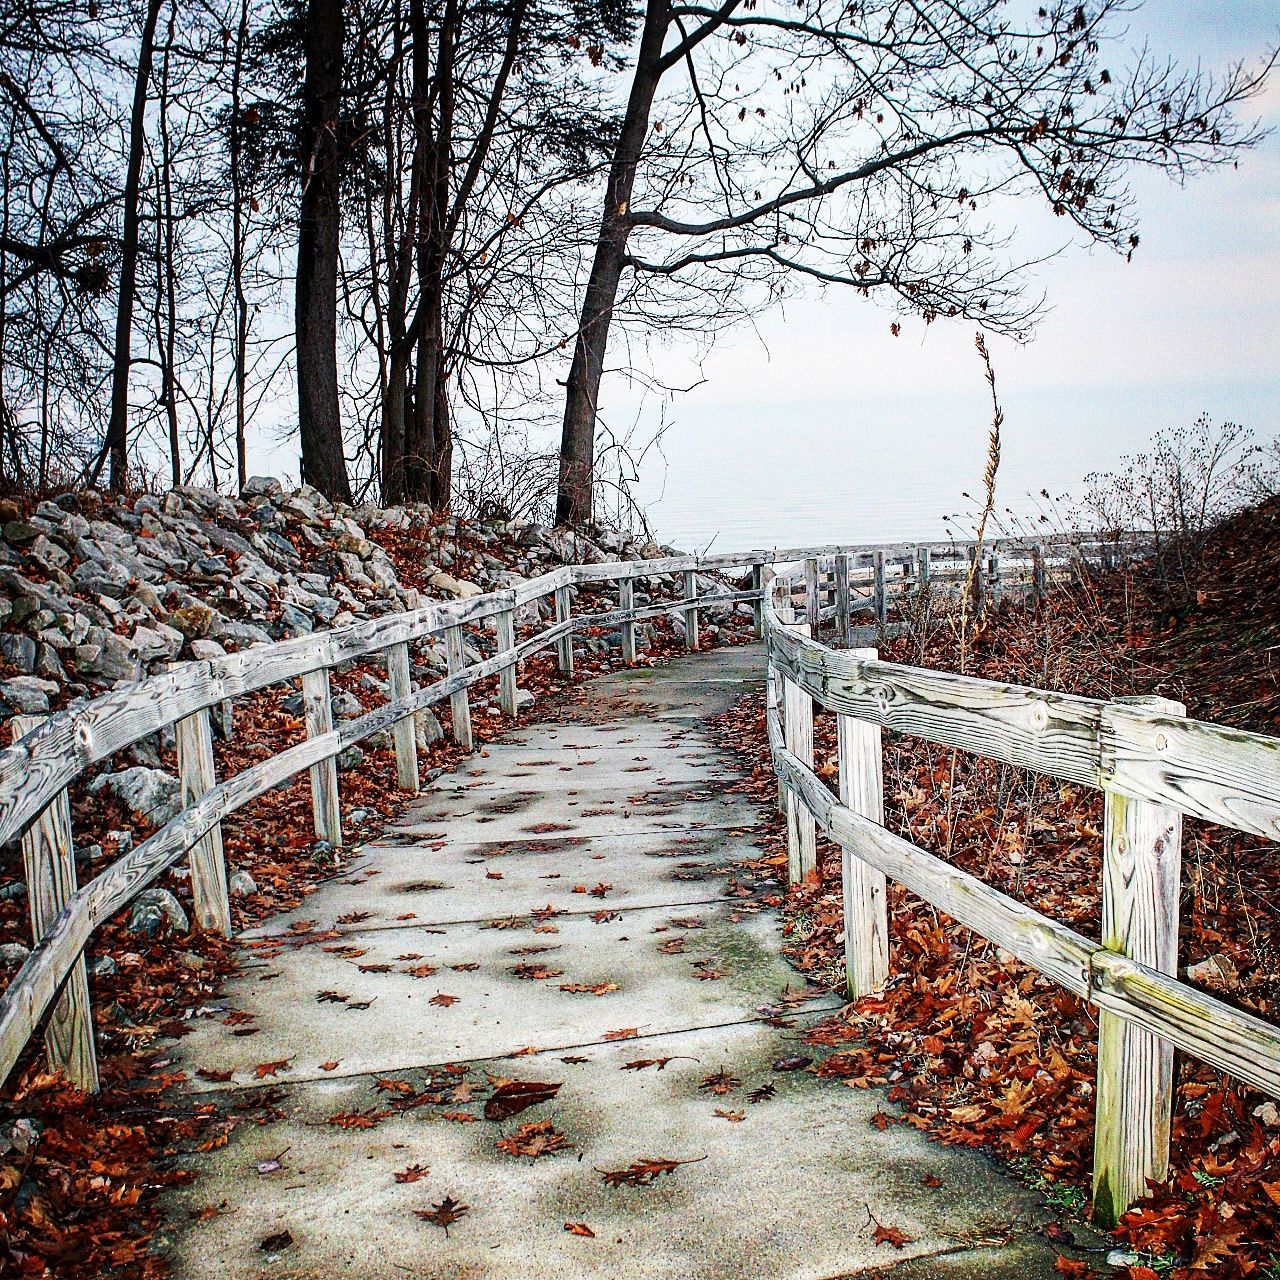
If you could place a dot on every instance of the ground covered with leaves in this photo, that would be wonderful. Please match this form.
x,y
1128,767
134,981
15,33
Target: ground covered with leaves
x,y
81,1176
977,1048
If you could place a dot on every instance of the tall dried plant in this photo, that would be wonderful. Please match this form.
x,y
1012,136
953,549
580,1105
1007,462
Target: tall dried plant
x,y
989,496
980,532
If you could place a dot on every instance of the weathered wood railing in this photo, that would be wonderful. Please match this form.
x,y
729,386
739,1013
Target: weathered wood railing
x,y
49,755
1153,765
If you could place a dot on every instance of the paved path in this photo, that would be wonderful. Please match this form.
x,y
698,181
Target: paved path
x,y
393,999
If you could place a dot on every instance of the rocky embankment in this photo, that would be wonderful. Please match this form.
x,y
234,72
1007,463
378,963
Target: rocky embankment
x,y
96,592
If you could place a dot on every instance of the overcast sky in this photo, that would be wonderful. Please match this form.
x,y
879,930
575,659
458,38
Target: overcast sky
x,y
821,426
825,427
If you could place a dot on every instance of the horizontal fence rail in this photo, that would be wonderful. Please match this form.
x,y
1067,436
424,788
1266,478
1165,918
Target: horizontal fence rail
x,y
1153,765
50,990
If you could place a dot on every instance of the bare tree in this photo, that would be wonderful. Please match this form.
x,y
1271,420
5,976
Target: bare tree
x,y
319,229
872,146
117,441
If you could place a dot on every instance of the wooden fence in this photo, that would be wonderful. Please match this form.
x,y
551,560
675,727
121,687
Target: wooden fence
x,y
51,989
1153,765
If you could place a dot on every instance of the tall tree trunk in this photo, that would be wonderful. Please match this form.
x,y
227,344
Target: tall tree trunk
x,y
167,248
398,249
237,250
582,395
117,442
324,463
427,441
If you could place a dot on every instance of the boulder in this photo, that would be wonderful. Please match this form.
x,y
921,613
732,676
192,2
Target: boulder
x,y
156,912
18,650
262,487
346,706
451,586
154,794
157,642
428,727
242,884
21,533
48,555
107,655
28,695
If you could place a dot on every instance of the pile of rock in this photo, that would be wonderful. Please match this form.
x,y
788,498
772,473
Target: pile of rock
x,y
95,593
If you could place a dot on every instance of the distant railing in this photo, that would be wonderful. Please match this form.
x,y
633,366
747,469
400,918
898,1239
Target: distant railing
x,y
1153,765
50,754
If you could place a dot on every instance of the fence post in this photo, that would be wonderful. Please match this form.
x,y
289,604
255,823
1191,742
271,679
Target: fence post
x,y
776,692
840,567
565,643
324,773
1141,879
866,913
922,569
505,622
50,866
880,599
691,611
757,606
993,577
400,685
626,603
797,728
812,598
1038,582
205,858
460,702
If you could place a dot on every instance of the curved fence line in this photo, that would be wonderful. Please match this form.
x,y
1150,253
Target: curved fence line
x,y
51,987
1153,765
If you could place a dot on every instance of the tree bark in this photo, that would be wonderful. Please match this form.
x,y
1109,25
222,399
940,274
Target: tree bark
x,y
324,463
117,441
428,444
237,256
582,396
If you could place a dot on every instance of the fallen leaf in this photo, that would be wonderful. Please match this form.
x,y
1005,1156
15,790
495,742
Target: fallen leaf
x,y
794,1062
358,1119
265,1069
443,1001
540,1138
444,1214
536,972
579,1229
642,1172
511,1097
275,1243
412,1173
720,1082
891,1235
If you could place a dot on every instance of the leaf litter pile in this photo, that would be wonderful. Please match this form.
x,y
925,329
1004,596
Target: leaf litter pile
x,y
977,1048
81,1176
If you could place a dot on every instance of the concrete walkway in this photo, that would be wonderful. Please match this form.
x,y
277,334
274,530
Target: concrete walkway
x,y
556,915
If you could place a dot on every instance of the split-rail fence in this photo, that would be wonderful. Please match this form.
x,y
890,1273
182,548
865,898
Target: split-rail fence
x,y
1152,763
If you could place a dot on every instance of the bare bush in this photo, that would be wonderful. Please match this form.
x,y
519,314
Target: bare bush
x,y
1179,490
